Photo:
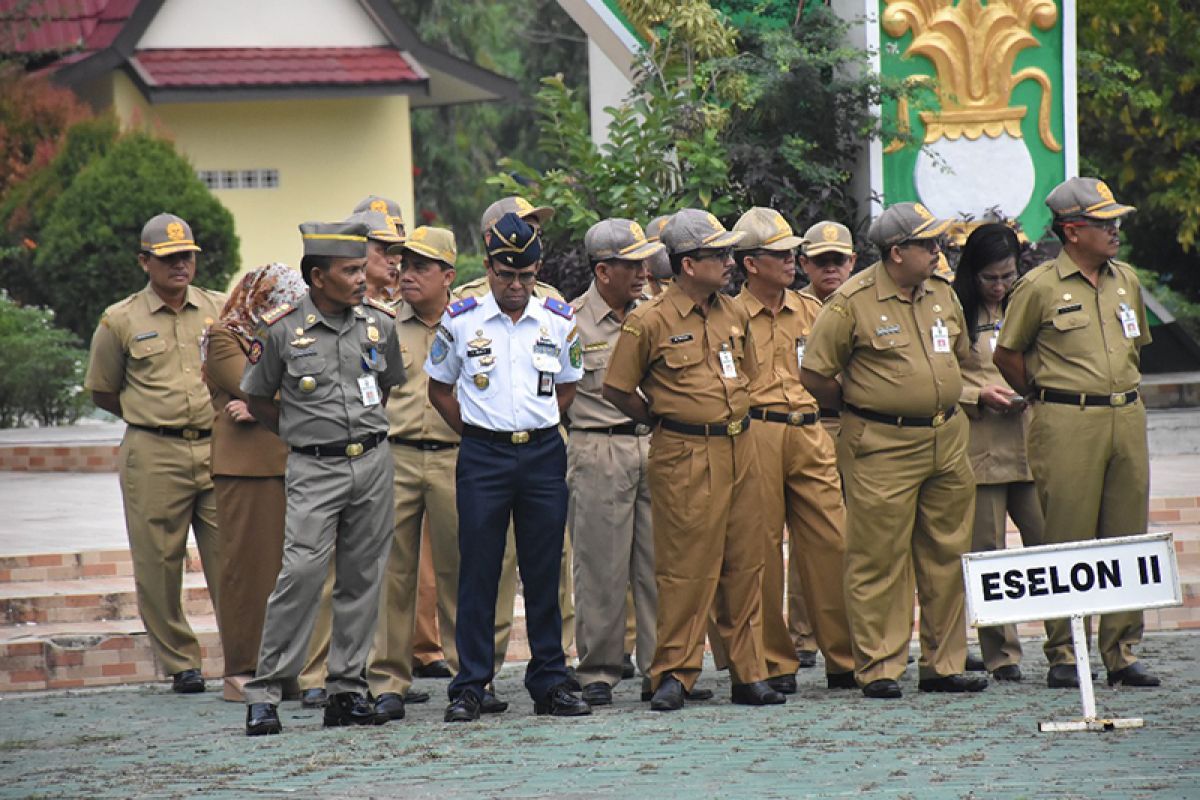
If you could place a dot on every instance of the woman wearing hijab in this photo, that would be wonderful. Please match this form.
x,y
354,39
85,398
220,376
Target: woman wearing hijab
x,y
1004,486
248,463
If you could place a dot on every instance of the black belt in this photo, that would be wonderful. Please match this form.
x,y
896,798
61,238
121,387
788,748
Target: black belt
x,y
625,429
422,444
344,450
191,434
715,429
796,418
936,421
830,413
1073,399
508,437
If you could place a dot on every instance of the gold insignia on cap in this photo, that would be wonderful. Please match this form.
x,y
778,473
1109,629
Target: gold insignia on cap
x,y
1121,290
829,233
419,234
482,381
922,210
175,231
380,206
523,207
636,230
308,384
713,221
1104,192
373,333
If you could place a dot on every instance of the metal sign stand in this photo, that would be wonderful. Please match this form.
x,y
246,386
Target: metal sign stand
x,y
1084,670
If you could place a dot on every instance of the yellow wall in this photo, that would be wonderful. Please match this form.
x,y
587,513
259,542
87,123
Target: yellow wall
x,y
329,153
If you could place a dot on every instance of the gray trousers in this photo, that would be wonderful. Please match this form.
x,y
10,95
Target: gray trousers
x,y
337,508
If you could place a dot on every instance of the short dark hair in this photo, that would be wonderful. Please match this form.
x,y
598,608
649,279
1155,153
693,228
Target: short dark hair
x,y
309,263
677,262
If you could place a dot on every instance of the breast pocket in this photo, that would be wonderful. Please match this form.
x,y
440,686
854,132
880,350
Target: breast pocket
x,y
681,356
148,348
892,353
595,365
307,376
1071,334
480,379
148,359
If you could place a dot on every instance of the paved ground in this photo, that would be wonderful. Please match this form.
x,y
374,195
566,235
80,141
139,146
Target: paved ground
x,y
146,742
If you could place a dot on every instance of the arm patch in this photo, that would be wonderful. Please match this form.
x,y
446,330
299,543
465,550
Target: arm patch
x,y
559,307
461,306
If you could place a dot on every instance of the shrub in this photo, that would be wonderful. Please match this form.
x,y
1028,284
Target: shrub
x,y
87,258
41,368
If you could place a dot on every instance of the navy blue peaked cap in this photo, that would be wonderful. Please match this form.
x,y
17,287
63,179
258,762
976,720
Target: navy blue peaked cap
x,y
513,241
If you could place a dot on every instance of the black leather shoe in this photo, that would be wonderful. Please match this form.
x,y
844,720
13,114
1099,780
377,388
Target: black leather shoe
x,y
1135,674
668,696
464,708
699,695
882,689
434,669
351,708
597,694
390,705
841,680
262,719
975,663
573,680
807,658
784,684
1009,672
190,681
758,693
416,696
1062,676
490,704
562,702
313,698
628,670
953,683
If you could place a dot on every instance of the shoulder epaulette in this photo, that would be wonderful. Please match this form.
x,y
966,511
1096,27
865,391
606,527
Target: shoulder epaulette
x,y
461,306
379,305
277,313
471,288
948,277
857,284
558,307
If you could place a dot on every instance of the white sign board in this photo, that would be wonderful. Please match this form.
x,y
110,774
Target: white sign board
x,y
1098,576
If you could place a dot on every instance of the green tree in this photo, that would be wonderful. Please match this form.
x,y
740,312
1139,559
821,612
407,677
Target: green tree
x,y
41,368
1139,125
34,116
87,259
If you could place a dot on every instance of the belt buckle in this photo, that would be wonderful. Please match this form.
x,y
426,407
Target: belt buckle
x,y
520,437
734,428
1118,399
354,450
190,434
642,429
939,419
795,418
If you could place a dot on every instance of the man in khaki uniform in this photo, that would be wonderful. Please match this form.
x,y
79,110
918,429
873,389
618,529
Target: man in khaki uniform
x,y
827,258
609,514
896,335
383,265
660,262
796,460
506,596
691,353
145,368
1071,342
424,451
331,359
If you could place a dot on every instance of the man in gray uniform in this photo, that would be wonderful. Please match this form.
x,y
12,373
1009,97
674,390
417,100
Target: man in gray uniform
x,y
331,359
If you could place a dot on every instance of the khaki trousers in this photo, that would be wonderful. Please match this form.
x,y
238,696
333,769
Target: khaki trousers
x,y
427,641
1092,470
708,553
250,512
339,510
994,503
801,486
167,487
424,489
313,674
909,493
610,523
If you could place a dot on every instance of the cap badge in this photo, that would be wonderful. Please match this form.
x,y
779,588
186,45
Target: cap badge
x,y
380,206
175,231
419,234
829,233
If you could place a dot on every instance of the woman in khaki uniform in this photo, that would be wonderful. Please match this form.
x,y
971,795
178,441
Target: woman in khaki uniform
x,y
1003,482
248,463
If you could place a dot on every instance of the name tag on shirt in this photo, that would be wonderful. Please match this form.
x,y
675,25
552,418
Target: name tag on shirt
x,y
1129,323
728,368
941,337
368,389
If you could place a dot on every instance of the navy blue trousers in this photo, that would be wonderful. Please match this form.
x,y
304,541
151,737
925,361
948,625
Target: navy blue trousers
x,y
527,482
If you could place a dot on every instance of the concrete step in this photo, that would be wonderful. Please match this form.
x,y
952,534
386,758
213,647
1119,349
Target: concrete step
x,y
107,563
87,600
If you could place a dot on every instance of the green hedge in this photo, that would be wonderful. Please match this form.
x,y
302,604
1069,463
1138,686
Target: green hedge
x,y
41,368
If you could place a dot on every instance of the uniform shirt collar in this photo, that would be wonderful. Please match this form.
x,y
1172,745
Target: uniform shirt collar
x,y
753,305
1066,266
886,287
679,298
594,308
313,315
156,303
492,309
405,311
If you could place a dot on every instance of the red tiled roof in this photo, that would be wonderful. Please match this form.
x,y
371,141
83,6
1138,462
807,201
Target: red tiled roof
x,y
61,25
290,66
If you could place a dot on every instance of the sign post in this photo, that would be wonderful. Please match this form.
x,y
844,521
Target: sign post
x,y
1073,580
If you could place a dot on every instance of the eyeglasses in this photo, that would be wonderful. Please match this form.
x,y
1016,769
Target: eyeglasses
x,y
825,260
1007,277
1106,225
508,276
721,255
931,245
